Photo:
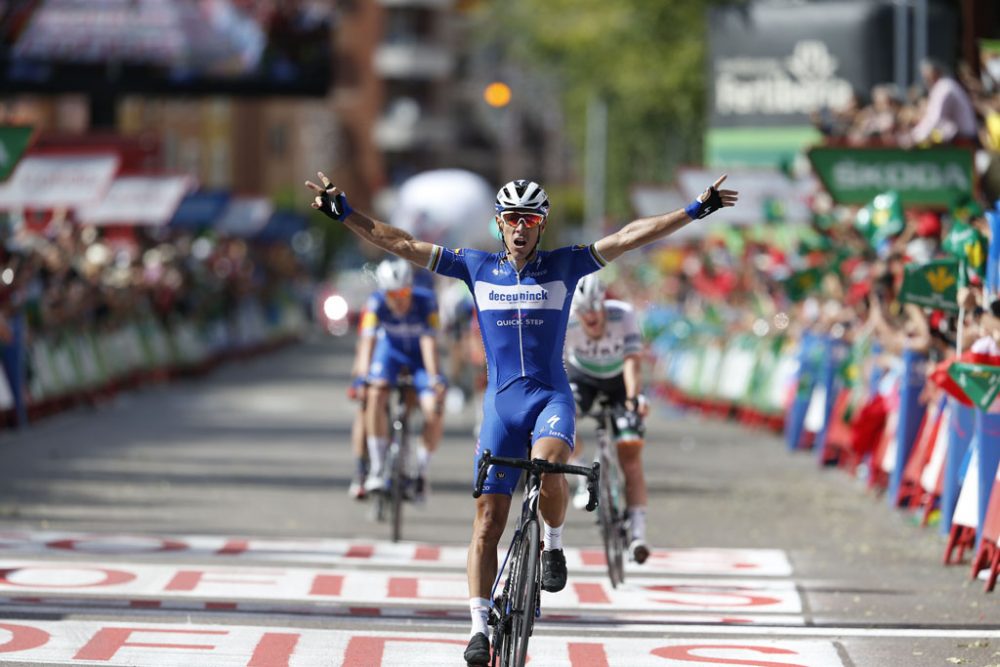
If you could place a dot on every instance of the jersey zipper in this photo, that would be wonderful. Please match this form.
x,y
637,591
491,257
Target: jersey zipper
x,y
520,319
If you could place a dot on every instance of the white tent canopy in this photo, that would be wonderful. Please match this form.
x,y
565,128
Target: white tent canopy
x,y
451,207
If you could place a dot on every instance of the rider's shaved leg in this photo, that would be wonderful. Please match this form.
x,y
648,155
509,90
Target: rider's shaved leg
x,y
491,517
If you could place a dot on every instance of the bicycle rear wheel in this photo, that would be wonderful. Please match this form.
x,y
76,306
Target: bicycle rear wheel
x,y
523,597
609,516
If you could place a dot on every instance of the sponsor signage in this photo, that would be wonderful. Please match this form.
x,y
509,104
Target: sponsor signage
x,y
184,644
232,585
547,296
714,562
138,200
58,181
931,177
773,64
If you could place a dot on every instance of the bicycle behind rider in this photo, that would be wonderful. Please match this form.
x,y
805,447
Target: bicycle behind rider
x,y
398,332
522,296
603,349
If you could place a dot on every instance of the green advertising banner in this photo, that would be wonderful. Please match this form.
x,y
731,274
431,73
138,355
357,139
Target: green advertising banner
x,y
931,177
932,285
981,383
14,140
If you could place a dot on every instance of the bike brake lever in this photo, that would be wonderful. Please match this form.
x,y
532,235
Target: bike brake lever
x,y
484,468
592,483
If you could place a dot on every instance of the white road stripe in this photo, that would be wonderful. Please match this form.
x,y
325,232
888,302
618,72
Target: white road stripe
x,y
19,578
181,645
708,562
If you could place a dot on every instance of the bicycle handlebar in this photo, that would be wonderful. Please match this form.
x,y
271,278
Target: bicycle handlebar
x,y
593,473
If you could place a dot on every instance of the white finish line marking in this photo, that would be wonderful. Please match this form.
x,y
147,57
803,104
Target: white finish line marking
x,y
707,562
181,645
368,588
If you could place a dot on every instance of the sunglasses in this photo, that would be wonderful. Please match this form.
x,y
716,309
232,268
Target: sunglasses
x,y
515,218
400,293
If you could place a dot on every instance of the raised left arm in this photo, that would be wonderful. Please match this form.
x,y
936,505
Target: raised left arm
x,y
646,230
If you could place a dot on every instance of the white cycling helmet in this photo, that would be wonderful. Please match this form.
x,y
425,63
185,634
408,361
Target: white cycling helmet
x,y
393,274
589,294
522,195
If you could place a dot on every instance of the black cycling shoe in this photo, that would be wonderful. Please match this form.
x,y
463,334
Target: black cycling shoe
x,y
477,653
553,570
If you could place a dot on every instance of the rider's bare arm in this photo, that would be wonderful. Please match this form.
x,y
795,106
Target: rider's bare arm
x,y
647,230
429,352
365,348
388,238
632,376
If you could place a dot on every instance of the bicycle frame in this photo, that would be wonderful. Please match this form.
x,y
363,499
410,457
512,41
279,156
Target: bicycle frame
x,y
510,616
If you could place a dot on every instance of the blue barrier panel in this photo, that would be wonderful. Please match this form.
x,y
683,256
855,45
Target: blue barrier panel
x,y
911,413
961,426
805,379
13,355
987,429
835,352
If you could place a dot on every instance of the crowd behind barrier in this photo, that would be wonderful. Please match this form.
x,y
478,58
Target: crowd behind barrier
x,y
870,337
85,312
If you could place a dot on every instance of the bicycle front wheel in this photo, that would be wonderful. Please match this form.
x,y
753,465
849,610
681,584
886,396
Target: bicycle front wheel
x,y
396,492
524,592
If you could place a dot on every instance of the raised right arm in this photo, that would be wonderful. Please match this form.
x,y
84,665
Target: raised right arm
x,y
332,202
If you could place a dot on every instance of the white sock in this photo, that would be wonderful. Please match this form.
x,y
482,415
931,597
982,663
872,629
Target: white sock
x,y
376,452
637,520
423,460
479,609
553,537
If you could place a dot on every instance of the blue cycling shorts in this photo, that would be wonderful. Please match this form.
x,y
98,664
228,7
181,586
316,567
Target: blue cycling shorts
x,y
387,362
516,416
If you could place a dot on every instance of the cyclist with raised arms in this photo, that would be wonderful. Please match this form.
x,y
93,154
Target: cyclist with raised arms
x,y
398,330
522,297
603,348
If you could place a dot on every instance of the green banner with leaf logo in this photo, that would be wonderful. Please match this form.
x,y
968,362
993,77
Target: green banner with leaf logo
x,y
932,285
980,382
14,140
931,177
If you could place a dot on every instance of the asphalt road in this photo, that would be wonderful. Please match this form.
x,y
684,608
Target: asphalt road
x,y
205,522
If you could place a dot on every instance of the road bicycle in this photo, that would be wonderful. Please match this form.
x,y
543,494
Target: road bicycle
x,y
612,518
519,603
388,501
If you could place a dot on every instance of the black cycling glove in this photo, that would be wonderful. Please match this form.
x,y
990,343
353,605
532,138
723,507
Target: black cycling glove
x,y
700,209
335,207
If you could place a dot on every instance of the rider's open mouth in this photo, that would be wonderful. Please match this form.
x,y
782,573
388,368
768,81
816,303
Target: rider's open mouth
x,y
520,241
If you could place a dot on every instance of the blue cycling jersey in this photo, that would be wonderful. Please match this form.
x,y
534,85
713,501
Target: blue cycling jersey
x,y
522,314
401,332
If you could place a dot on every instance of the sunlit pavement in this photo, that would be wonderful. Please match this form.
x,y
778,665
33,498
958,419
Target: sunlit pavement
x,y
207,523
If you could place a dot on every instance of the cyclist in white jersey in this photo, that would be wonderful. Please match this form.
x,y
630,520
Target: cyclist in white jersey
x,y
522,297
603,348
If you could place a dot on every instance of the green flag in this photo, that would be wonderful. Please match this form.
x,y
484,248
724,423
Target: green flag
x,y
14,141
882,218
964,207
850,368
932,285
980,382
801,284
966,243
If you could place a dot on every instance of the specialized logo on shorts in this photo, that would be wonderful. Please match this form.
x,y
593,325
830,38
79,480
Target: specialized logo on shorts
x,y
548,296
552,421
